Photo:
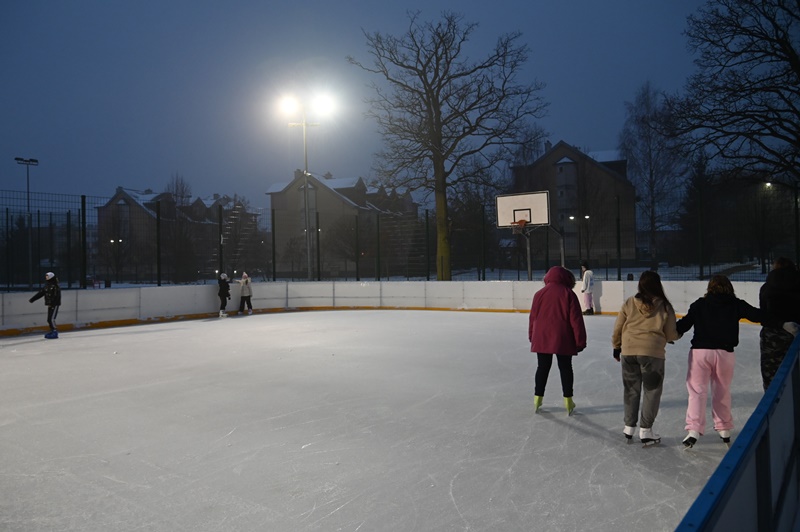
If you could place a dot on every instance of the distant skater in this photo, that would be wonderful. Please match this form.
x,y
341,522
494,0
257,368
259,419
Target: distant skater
x,y
224,294
645,323
587,288
715,318
246,294
52,300
555,327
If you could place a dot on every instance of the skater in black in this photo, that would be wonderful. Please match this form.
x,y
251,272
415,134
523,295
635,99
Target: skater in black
x,y
52,299
224,294
779,299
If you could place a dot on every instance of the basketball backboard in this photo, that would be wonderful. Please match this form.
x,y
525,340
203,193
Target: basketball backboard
x,y
533,207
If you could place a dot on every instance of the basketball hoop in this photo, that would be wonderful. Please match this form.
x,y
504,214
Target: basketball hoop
x,y
518,227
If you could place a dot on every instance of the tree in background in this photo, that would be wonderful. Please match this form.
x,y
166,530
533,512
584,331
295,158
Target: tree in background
x,y
440,109
655,166
742,106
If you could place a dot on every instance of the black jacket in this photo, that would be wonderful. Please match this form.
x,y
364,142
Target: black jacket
x,y
51,292
779,297
715,318
224,288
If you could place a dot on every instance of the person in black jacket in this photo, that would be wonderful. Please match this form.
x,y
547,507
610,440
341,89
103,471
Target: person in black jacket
x,y
224,294
52,300
715,318
779,298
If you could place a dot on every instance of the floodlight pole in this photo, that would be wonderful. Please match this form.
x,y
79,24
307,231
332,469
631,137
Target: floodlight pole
x,y
28,163
304,124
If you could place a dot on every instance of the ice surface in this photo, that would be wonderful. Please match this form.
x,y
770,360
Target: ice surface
x,y
338,420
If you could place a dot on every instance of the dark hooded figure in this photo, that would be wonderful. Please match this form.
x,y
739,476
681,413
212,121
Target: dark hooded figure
x,y
52,300
555,327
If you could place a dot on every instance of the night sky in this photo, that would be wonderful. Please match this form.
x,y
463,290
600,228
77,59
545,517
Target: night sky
x,y
109,93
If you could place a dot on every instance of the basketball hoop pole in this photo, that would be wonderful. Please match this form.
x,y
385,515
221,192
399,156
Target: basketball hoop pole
x,y
519,228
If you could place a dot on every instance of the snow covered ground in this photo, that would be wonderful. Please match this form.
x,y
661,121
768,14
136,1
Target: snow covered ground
x,y
337,420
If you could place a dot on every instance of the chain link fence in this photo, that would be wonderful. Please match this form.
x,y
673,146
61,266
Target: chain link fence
x,y
91,243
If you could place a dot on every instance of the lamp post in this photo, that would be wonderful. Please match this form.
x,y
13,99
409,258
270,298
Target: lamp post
x,y
28,163
291,105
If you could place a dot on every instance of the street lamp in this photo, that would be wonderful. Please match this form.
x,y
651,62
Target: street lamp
x,y
578,222
291,106
28,163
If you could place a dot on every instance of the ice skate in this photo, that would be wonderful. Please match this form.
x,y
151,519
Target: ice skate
x,y
588,312
629,431
648,437
726,437
569,404
537,403
51,335
250,312
223,314
691,439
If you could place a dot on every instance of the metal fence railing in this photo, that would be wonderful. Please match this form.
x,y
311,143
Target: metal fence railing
x,y
88,242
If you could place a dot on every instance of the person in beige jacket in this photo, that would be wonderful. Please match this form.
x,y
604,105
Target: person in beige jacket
x,y
645,323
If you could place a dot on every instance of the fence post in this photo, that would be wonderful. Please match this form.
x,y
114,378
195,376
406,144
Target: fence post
x,y
219,225
68,253
158,243
84,247
274,263
319,250
358,252
427,248
377,246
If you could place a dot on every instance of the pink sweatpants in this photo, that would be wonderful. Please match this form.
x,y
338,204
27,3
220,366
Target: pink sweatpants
x,y
587,301
716,366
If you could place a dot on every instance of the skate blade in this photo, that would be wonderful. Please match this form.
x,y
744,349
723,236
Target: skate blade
x,y
650,443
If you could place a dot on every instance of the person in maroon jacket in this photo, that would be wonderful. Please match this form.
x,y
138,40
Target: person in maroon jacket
x,y
556,327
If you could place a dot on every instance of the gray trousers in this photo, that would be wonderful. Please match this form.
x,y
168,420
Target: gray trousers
x,y
642,374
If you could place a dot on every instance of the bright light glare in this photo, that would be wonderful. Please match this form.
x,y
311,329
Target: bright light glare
x,y
289,105
323,104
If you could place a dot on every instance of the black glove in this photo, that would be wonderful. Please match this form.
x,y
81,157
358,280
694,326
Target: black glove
x,y
617,353
30,300
229,297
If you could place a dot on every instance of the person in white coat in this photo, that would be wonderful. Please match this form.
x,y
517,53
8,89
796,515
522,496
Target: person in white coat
x,y
246,294
587,288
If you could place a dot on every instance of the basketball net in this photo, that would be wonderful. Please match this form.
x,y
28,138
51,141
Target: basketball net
x,y
518,227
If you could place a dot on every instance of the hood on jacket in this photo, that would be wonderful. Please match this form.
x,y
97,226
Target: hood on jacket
x,y
560,275
648,309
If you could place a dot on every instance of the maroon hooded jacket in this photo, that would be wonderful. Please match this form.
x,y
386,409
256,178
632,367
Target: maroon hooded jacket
x,y
556,323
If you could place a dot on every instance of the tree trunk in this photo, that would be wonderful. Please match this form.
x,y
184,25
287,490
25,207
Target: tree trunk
x,y
443,272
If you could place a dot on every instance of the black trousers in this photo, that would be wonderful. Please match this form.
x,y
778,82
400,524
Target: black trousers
x,y
543,371
243,301
223,302
52,314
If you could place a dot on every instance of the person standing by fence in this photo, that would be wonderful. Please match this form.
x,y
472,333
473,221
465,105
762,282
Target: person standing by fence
x,y
246,294
779,299
587,288
52,300
645,323
224,294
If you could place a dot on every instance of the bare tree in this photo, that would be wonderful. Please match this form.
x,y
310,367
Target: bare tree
x,y
440,109
654,165
743,103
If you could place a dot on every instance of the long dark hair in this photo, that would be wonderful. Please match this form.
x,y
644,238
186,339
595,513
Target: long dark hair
x,y
650,288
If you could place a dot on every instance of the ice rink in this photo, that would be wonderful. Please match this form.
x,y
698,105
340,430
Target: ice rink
x,y
338,420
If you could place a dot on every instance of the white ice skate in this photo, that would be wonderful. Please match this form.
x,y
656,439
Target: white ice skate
x,y
648,437
726,437
629,431
691,439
